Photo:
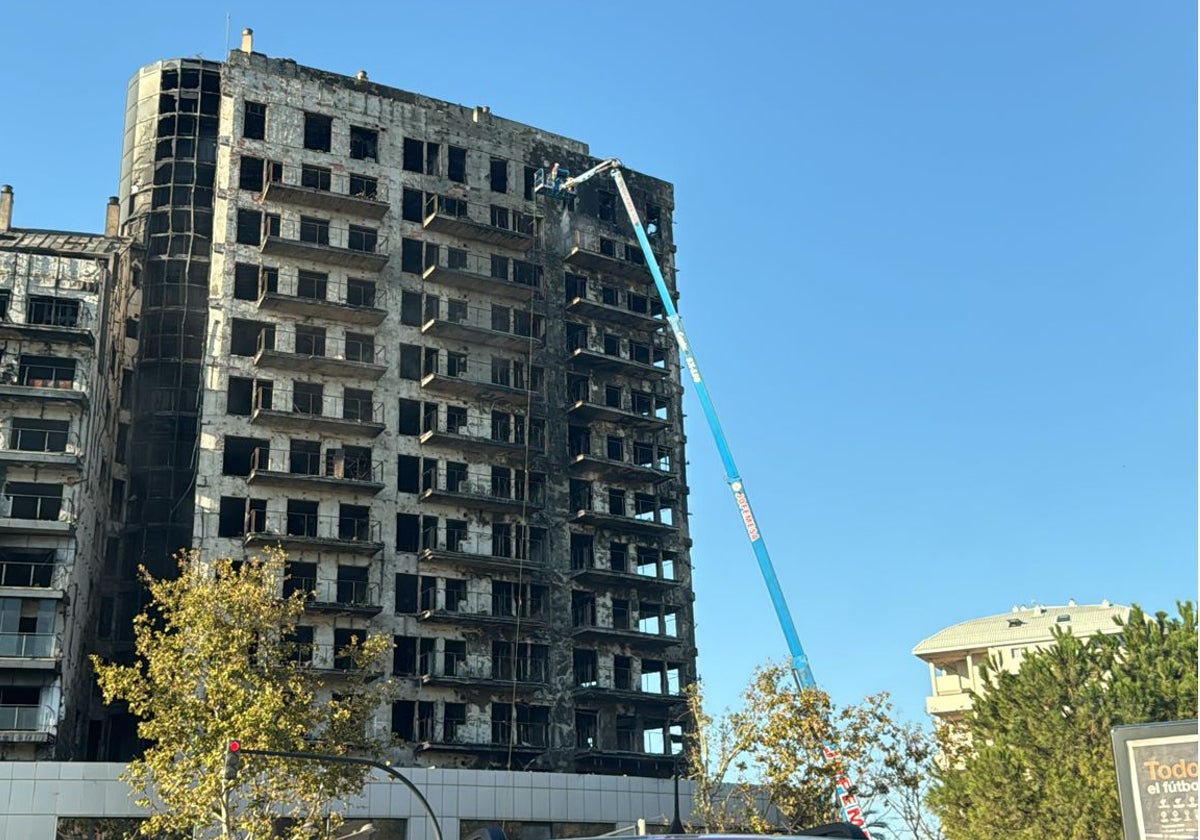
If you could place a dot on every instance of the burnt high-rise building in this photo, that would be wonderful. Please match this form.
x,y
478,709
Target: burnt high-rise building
x,y
453,402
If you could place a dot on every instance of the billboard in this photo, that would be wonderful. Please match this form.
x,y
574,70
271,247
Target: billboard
x,y
1157,780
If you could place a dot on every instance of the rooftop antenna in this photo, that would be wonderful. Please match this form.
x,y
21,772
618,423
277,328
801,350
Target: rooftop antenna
x,y
226,52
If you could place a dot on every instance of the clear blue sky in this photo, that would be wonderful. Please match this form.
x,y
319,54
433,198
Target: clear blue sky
x,y
938,261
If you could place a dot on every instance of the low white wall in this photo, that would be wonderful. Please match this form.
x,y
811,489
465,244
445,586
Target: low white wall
x,y
35,793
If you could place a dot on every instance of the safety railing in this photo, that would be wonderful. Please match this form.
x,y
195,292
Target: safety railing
x,y
352,409
332,463
495,488
17,503
500,319
350,593
27,645
336,527
44,441
316,346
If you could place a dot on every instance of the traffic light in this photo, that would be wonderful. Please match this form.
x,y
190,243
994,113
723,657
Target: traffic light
x,y
233,760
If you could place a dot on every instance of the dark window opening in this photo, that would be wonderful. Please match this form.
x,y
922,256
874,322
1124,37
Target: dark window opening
x,y
457,166
316,178
254,120
364,143
318,132
363,186
498,175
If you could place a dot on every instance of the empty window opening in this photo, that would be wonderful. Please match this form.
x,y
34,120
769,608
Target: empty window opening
x,y
318,132
498,175
254,120
316,177
456,169
364,186
239,454
314,230
364,143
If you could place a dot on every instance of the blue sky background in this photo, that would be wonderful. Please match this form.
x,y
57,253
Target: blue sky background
x,y
937,259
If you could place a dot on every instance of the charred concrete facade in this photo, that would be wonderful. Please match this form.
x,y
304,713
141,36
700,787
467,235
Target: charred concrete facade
x,y
456,406
62,472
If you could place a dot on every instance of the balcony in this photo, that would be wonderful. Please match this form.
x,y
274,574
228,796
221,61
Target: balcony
x,y
357,302
625,635
328,660
604,576
482,614
30,512
298,241
595,310
473,380
497,495
28,650
47,380
948,704
301,531
595,692
495,326
336,597
609,257
504,228
496,450
352,359
30,446
649,524
588,359
489,554
363,206
310,413
31,573
333,470
586,409
26,724
527,674
495,276
595,456
53,320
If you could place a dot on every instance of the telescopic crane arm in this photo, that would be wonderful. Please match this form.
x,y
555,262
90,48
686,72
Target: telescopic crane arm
x,y
559,183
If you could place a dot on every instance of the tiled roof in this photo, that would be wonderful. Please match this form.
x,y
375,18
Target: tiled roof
x,y
1023,626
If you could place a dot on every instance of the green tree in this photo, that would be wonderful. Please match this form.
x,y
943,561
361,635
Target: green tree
x,y
217,661
1033,758
763,768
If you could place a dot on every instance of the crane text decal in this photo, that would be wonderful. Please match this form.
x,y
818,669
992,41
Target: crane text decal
x,y
744,508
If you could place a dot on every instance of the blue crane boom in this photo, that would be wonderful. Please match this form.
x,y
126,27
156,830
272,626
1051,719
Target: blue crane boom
x,y
560,183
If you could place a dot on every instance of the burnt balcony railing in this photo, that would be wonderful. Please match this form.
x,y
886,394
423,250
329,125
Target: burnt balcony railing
x,y
497,326
346,596
527,735
18,503
609,309
317,353
350,301
334,467
506,386
617,258
53,319
493,274
495,493
370,201
362,249
306,411
626,460
351,533
495,225
40,446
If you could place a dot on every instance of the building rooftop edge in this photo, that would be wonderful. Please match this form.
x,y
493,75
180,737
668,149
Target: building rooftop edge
x,y
1035,623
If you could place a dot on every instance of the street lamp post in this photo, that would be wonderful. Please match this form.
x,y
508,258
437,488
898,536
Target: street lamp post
x,y
344,759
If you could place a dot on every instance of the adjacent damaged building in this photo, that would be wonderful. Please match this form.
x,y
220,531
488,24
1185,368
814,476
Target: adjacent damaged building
x,y
455,404
63,479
